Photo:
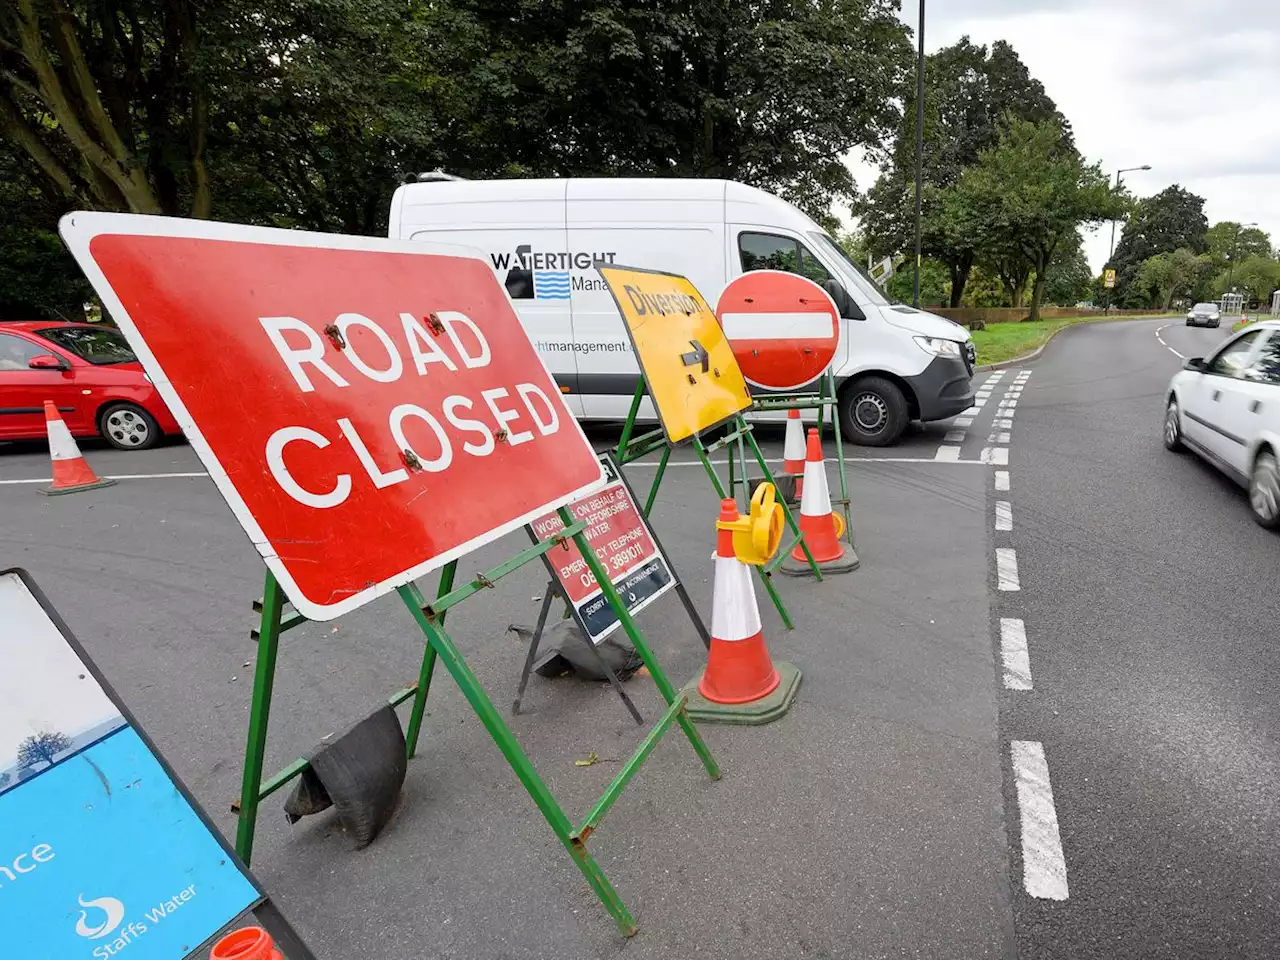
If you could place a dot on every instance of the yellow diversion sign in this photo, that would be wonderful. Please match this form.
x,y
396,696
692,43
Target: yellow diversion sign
x,y
693,376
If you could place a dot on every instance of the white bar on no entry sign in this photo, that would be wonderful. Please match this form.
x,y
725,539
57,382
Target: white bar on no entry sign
x,y
1007,569
1004,515
1013,654
777,326
1044,868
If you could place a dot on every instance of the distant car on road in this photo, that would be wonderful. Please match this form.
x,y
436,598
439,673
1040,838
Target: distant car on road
x,y
1227,409
1204,315
89,373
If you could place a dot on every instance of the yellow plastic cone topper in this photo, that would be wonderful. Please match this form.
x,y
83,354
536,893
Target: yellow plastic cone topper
x,y
756,536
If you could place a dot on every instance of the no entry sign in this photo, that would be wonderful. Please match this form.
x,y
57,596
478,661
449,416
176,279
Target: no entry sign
x,y
370,409
617,531
784,328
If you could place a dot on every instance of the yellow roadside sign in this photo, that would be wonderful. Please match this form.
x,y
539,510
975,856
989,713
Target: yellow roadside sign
x,y
1108,278
693,376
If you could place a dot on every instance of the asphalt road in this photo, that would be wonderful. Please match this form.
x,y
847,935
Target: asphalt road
x,y
935,792
1151,611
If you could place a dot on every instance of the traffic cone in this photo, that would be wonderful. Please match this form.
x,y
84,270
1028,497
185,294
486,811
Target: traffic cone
x,y
70,471
248,943
821,527
740,684
793,458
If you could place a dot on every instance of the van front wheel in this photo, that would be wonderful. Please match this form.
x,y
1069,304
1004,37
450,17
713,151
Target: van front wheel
x,y
873,412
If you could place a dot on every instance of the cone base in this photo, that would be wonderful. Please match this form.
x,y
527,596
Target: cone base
x,y
59,491
765,710
847,562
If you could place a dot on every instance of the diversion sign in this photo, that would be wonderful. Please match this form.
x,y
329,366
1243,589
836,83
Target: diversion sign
x,y
103,853
621,538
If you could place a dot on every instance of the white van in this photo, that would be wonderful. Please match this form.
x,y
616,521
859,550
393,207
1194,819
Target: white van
x,y
895,364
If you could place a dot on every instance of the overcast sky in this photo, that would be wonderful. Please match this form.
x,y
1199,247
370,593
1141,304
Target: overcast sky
x,y
1187,87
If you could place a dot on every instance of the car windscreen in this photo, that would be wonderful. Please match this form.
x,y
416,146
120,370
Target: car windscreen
x,y
1206,307
851,272
98,346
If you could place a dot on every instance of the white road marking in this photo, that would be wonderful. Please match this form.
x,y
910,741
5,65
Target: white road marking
x,y
1003,424
970,411
1007,569
982,394
1012,394
1013,654
947,453
1004,515
1181,356
979,404
1002,480
998,438
997,455
994,378
954,436
1044,868
962,422
113,476
1009,405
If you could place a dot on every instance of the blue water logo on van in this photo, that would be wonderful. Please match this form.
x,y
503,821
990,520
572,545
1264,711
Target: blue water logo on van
x,y
548,274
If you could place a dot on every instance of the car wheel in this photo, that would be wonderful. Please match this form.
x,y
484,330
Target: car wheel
x,y
1173,427
1214,324
873,412
1190,324
128,427
1264,490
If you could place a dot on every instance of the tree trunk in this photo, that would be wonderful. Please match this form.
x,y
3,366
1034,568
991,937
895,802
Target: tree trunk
x,y
959,278
1037,294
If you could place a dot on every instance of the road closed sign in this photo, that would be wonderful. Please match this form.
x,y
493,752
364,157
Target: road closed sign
x,y
616,530
370,409
784,328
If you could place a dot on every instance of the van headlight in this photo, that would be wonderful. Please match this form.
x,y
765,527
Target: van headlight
x,y
938,347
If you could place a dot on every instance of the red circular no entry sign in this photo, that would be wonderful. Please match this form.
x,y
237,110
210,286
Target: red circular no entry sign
x,y
784,328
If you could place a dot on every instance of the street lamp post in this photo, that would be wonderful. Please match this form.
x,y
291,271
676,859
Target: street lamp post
x,y
1235,251
1111,252
915,296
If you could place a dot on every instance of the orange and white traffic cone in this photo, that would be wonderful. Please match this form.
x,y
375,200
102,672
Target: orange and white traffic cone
x,y
741,684
793,457
248,943
822,528
70,471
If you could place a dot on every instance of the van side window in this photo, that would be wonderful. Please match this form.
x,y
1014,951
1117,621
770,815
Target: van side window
x,y
768,251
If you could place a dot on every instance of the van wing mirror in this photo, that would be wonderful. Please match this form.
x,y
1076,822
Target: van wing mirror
x,y
844,303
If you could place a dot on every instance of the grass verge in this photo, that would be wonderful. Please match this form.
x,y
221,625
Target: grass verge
x,y
1004,341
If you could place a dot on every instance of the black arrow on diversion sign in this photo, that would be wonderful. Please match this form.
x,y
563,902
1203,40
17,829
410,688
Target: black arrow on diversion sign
x,y
697,355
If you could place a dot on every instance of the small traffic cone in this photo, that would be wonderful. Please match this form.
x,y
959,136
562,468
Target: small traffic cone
x,y
740,684
248,943
821,527
793,457
70,471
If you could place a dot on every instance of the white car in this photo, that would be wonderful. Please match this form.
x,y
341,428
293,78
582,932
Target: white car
x,y
1227,409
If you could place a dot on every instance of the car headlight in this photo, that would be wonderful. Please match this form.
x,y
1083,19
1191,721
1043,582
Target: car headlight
x,y
938,347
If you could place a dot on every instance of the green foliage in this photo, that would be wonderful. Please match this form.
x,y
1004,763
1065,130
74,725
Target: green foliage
x,y
1256,278
1162,223
984,289
1228,240
1167,276
935,283
968,92
1027,197
1070,279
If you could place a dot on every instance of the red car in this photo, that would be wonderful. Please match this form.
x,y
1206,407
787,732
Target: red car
x,y
90,374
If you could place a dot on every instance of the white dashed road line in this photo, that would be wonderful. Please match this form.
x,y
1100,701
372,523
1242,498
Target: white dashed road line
x,y
998,438
1013,654
1181,356
1044,868
1004,515
997,455
962,422
1002,481
1007,569
947,453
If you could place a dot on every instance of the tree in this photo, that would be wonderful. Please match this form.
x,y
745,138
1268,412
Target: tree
x,y
1228,240
41,748
1170,275
968,90
1028,196
1070,278
1161,223
4,779
935,286
1256,277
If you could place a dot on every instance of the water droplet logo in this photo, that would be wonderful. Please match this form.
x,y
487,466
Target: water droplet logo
x,y
113,911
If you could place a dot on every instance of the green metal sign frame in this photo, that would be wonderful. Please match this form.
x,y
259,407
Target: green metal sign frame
x,y
737,438
430,618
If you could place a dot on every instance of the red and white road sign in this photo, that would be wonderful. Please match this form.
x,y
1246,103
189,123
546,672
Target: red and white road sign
x,y
784,328
370,409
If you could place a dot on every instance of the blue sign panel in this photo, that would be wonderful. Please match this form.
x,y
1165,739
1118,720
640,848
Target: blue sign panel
x,y
102,854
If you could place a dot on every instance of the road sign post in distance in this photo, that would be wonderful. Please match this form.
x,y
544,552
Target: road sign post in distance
x,y
370,409
784,328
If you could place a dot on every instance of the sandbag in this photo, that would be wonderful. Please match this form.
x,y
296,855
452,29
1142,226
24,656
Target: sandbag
x,y
565,648
359,773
